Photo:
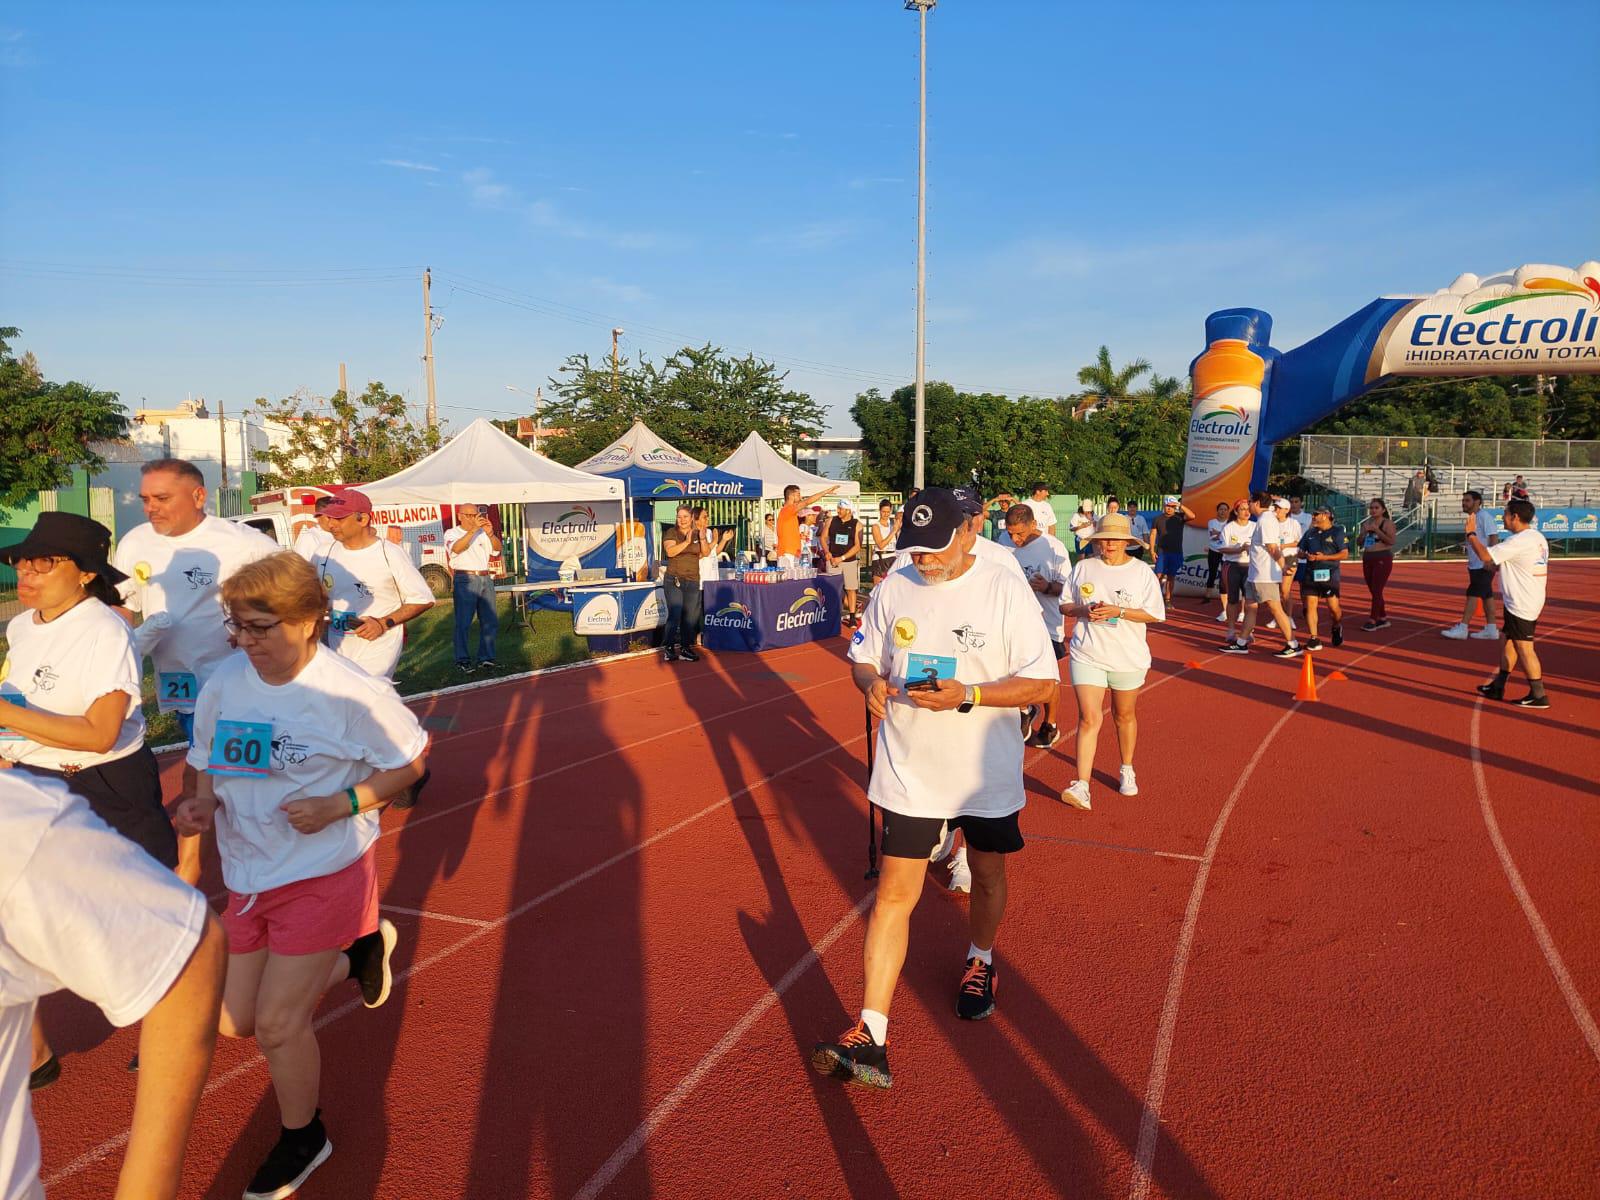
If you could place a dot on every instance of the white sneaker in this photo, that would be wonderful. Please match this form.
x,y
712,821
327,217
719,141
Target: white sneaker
x,y
943,849
1222,617
960,873
1489,633
1077,794
1129,785
1456,633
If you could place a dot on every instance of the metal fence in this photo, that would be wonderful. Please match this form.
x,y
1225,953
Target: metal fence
x,y
1510,454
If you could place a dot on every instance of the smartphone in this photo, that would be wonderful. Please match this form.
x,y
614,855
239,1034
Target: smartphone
x,y
928,683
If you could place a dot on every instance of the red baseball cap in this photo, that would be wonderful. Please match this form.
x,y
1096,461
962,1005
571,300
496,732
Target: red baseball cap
x,y
348,503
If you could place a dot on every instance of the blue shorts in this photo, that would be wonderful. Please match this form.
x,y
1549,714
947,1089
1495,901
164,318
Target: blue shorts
x,y
1170,563
186,725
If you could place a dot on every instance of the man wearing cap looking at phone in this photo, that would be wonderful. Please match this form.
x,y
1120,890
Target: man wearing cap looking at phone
x,y
469,545
946,653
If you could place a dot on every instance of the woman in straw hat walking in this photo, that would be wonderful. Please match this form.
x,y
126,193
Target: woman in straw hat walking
x,y
1113,596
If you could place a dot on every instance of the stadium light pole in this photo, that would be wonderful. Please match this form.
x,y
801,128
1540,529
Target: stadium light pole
x,y
921,8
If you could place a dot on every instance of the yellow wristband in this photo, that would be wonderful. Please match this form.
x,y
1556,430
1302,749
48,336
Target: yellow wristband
x,y
977,696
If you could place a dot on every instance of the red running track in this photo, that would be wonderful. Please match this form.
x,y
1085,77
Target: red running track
x,y
1336,949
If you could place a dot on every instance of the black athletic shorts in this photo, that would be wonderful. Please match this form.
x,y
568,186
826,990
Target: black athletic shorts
x,y
1480,582
1060,648
125,793
1233,577
915,837
1515,629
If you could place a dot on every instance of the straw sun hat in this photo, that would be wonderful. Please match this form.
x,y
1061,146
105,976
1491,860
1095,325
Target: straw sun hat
x,y
1113,526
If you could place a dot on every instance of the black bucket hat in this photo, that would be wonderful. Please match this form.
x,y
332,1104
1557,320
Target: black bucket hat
x,y
85,542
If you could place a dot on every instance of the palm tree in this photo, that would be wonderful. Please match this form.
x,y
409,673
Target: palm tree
x,y
1106,385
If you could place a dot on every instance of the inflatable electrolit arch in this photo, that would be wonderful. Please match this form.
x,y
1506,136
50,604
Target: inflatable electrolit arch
x,y
1248,396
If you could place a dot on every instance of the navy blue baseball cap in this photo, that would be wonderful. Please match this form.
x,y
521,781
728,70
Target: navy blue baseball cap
x,y
968,498
933,518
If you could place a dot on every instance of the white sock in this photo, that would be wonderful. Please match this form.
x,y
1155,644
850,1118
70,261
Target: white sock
x,y
877,1025
986,955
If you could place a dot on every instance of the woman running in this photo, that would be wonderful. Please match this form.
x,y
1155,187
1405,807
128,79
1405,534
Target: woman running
x,y
297,750
1114,596
1377,535
72,687
1236,535
1214,529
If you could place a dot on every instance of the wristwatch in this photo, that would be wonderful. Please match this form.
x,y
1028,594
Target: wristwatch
x,y
388,622
970,700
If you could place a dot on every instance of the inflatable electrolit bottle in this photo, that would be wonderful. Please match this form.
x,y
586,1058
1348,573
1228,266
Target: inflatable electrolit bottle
x,y
1225,423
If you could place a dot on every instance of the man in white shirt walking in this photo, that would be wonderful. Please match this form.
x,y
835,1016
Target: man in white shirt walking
x,y
1524,562
373,588
1480,574
1264,585
945,655
1043,514
469,545
1046,564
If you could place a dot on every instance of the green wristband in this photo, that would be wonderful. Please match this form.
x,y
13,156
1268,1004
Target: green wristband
x,y
355,801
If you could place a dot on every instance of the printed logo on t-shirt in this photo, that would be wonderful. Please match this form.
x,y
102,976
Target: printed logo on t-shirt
x,y
858,638
199,577
969,638
287,752
364,589
45,679
905,632
141,572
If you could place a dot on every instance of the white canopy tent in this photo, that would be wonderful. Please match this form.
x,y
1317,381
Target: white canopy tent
x,y
757,459
483,464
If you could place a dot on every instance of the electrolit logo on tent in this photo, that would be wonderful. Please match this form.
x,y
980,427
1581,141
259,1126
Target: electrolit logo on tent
x,y
560,531
670,485
809,609
661,456
599,614
649,612
1220,420
1555,524
580,519
733,616
614,456
1588,524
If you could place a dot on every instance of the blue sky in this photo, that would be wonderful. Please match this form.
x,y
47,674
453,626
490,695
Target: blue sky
x,y
229,200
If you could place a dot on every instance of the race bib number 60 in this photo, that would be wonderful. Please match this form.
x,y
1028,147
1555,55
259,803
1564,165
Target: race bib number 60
x,y
241,748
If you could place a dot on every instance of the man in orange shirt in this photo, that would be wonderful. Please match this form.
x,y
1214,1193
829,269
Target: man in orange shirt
x,y
789,523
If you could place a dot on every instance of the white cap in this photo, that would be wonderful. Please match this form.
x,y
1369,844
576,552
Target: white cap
x,y
1280,502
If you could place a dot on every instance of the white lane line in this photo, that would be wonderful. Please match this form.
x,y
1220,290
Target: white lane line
x,y
1066,841
111,1145
625,1153
1552,956
434,916
1156,1089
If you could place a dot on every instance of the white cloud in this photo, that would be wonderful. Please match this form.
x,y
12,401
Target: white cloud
x,y
814,235
627,293
405,165
486,191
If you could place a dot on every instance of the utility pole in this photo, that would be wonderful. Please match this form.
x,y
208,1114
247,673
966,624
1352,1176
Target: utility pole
x,y
427,347
922,7
222,444
343,386
615,334
538,401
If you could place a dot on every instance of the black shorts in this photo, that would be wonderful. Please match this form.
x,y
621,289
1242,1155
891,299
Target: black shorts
x,y
915,837
1516,629
1060,648
1480,582
126,794
1233,577
1327,591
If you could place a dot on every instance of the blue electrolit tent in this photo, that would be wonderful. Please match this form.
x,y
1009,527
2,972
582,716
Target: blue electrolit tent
x,y
652,470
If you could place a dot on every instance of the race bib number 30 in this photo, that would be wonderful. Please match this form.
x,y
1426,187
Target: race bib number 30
x,y
176,689
241,748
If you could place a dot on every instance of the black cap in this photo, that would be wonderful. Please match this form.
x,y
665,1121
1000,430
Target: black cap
x,y
933,518
85,542
969,500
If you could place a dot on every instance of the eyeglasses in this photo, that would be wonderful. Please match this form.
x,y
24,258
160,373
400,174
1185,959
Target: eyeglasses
x,y
252,629
42,565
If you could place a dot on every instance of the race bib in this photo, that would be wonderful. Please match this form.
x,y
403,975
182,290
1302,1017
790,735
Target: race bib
x,y
1321,574
241,748
176,690
340,622
11,735
929,666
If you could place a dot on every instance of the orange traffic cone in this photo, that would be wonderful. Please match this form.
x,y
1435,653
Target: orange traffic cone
x,y
1308,680
1193,664
1337,675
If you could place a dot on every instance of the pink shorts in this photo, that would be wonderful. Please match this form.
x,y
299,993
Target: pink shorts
x,y
308,916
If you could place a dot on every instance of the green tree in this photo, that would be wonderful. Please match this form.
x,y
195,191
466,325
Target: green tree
x,y
1107,383
699,399
343,440
47,428
1572,410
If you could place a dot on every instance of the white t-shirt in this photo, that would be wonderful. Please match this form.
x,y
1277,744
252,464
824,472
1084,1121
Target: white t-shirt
x,y
313,542
983,549
1122,646
1263,567
176,582
1082,526
372,581
1043,515
1046,558
886,532
1482,524
332,726
1524,562
1293,530
946,764
81,908
1236,540
1214,541
709,563
475,557
62,667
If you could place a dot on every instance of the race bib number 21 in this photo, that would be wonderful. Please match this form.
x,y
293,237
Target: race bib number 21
x,y
241,748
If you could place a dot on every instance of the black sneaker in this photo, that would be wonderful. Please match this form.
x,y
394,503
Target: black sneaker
x,y
688,655
1029,715
975,1001
369,963
1338,634
1532,701
1492,690
855,1058
298,1153
670,654
1383,624
488,664
1235,647
1046,736
464,667
1292,650
1313,643
408,798
1369,626
44,1074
